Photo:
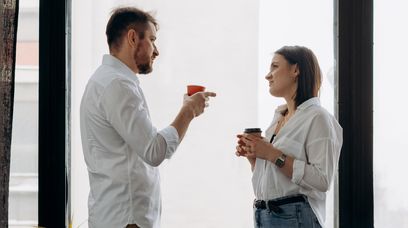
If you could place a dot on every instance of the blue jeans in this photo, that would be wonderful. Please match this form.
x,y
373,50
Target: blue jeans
x,y
292,215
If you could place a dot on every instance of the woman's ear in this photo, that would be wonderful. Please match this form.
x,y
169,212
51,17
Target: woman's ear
x,y
295,71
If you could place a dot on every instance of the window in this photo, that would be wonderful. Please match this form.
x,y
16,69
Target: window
x,y
204,184
310,24
390,112
23,198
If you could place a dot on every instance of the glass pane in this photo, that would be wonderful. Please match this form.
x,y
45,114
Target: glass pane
x,y
23,199
390,113
278,29
204,185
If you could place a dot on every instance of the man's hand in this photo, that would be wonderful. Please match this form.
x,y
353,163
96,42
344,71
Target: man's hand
x,y
197,102
193,106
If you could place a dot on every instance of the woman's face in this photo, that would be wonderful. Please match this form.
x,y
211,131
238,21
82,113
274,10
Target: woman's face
x,y
282,77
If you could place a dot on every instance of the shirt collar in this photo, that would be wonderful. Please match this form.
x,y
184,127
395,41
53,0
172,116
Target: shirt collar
x,y
116,63
281,108
310,102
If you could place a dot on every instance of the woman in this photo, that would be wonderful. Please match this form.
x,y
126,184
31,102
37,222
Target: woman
x,y
294,165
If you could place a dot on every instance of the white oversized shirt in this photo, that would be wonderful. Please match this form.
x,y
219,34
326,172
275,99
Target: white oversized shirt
x,y
122,149
314,138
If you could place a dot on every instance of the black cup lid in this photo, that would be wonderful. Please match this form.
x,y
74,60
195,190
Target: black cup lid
x,y
252,130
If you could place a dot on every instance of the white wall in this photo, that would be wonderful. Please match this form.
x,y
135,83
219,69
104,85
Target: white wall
x,y
213,43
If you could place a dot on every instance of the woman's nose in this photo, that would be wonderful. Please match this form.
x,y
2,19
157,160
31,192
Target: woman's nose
x,y
268,76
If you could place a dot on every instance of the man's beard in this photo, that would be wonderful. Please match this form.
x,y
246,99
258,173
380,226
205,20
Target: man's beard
x,y
144,68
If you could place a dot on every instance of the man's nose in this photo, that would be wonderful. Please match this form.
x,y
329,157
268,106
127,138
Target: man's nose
x,y
155,52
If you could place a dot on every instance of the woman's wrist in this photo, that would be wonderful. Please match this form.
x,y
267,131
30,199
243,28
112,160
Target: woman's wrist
x,y
252,162
274,154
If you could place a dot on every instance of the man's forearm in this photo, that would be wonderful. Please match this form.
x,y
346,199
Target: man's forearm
x,y
182,121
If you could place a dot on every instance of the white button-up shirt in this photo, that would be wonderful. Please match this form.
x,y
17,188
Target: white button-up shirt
x,y
122,149
313,137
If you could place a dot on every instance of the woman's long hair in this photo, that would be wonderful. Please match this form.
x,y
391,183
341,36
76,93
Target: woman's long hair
x,y
310,76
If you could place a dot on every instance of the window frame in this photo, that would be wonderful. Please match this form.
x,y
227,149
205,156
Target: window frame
x,y
354,55
53,124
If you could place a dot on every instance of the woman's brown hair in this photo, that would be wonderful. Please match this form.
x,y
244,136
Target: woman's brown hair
x,y
310,76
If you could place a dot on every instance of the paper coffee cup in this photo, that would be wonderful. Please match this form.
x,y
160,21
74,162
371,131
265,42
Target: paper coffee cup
x,y
254,131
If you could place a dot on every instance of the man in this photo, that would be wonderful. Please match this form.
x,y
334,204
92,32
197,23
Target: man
x,y
122,148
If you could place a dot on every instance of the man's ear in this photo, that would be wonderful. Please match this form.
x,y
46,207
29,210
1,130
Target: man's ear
x,y
132,38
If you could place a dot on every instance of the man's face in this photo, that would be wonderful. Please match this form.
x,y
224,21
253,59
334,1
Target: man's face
x,y
146,51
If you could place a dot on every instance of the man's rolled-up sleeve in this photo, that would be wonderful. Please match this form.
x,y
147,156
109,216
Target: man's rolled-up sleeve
x,y
125,110
172,140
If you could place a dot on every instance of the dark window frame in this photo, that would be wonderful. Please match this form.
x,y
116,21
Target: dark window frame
x,y
54,118
354,41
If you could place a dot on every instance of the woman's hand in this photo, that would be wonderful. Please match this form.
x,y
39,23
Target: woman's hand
x,y
242,152
241,148
257,147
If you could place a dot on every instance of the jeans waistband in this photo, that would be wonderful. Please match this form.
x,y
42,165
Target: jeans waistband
x,y
275,203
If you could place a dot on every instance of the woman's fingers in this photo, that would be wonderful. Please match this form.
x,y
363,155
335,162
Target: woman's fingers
x,y
250,137
240,151
247,141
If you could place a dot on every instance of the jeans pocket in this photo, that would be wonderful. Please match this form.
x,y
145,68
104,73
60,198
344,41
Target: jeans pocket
x,y
286,212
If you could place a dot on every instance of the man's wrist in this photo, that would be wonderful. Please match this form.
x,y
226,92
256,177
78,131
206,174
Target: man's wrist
x,y
188,112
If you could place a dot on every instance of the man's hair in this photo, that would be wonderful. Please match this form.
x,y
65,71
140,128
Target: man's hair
x,y
310,76
122,20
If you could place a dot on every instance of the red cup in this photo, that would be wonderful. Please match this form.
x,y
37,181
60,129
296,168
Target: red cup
x,y
192,89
